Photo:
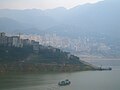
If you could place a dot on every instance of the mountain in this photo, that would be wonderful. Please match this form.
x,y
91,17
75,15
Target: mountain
x,y
57,13
7,24
102,17
33,17
98,24
13,26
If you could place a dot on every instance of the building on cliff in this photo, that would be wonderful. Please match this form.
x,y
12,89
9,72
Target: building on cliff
x,y
16,41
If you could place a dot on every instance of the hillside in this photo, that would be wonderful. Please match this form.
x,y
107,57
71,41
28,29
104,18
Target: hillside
x,y
45,55
102,17
8,24
94,28
24,59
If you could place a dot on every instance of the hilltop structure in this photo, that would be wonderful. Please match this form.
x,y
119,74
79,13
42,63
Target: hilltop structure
x,y
18,54
16,41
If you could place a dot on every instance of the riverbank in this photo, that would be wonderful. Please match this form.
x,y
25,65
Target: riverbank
x,y
27,67
47,59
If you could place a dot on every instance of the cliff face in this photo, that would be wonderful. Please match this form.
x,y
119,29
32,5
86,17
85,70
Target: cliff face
x,y
47,59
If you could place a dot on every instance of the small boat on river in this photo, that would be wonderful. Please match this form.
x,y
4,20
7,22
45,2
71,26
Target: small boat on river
x,y
64,82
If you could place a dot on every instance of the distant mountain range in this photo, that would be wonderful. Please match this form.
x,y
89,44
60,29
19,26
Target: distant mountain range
x,y
94,20
102,17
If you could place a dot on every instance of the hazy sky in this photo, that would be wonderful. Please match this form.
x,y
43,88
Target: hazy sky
x,y
42,4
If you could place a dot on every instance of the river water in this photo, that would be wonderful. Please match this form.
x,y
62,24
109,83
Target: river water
x,y
85,80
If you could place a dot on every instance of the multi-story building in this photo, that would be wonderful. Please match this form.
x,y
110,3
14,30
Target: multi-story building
x,y
26,42
9,41
35,46
3,39
17,42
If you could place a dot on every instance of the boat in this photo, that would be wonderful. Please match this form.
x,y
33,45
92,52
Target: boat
x,y
109,68
64,82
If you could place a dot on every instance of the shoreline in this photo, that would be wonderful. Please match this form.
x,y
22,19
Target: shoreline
x,y
9,68
88,59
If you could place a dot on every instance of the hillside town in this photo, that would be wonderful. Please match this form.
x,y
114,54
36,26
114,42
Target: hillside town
x,y
17,56
81,45
16,41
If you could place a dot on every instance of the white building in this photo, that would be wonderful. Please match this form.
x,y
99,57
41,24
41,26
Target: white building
x,y
17,42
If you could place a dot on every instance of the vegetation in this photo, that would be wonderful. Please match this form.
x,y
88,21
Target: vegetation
x,y
47,59
26,54
14,54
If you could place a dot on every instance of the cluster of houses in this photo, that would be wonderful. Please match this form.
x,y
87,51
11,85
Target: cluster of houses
x,y
16,41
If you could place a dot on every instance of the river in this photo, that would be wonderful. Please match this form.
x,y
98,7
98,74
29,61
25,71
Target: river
x,y
85,80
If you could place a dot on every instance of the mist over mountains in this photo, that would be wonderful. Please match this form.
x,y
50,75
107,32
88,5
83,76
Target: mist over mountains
x,y
100,21
102,17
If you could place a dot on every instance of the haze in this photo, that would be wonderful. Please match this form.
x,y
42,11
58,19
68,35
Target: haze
x,y
42,4
90,29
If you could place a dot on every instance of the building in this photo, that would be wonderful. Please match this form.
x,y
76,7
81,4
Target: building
x,y
26,42
3,39
2,34
35,46
17,42
9,41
